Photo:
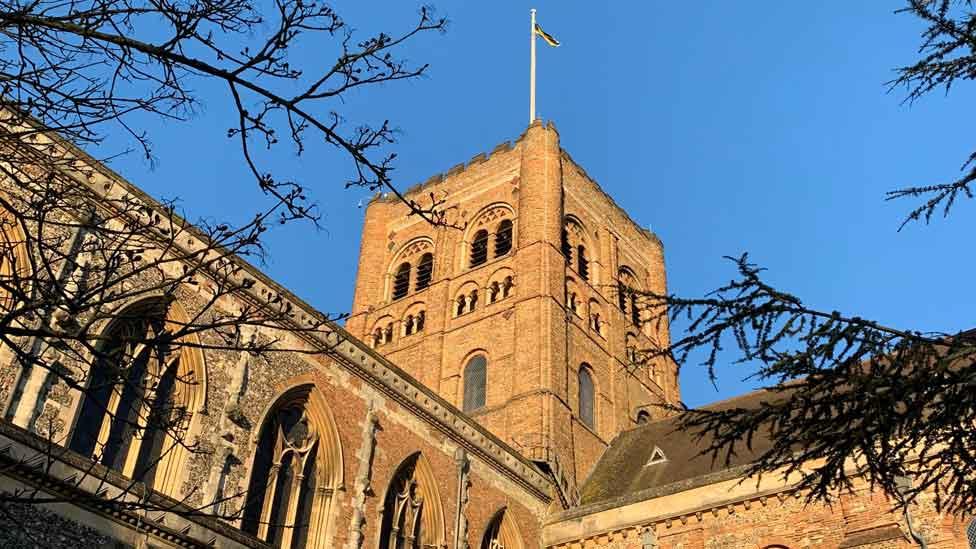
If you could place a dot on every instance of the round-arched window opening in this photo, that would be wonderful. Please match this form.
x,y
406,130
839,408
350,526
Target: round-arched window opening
x,y
475,384
586,397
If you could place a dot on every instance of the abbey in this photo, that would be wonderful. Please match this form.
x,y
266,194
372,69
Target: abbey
x,y
481,394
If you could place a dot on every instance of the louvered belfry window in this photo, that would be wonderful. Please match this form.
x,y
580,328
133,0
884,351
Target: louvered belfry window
x,y
586,396
401,281
479,248
503,238
583,264
475,381
567,248
425,271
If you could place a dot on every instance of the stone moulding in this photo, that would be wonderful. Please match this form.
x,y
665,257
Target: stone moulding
x,y
363,479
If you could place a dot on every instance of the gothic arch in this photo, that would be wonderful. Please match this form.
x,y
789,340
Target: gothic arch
x,y
502,532
412,512
103,426
295,470
15,265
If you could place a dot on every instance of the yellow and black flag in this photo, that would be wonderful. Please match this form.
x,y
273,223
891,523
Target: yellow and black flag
x,y
546,36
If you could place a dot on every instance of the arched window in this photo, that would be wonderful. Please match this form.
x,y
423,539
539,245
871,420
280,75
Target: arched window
x,y
425,271
14,260
507,286
479,248
502,533
297,467
627,290
137,424
567,248
572,297
414,322
643,417
503,238
475,383
971,534
597,322
630,345
412,514
582,263
586,396
572,301
401,281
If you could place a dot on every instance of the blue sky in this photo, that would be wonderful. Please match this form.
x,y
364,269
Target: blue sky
x,y
724,126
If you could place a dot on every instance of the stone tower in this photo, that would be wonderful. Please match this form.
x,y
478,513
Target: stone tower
x,y
516,317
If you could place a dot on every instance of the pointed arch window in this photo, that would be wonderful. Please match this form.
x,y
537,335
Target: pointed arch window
x,y
475,383
643,417
401,281
412,515
502,533
586,396
136,422
425,271
503,238
297,466
14,260
479,248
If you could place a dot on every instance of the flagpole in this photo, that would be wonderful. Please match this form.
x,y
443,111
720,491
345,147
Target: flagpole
x,y
532,70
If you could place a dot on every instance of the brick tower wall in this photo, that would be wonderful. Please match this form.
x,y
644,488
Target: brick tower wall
x,y
533,343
